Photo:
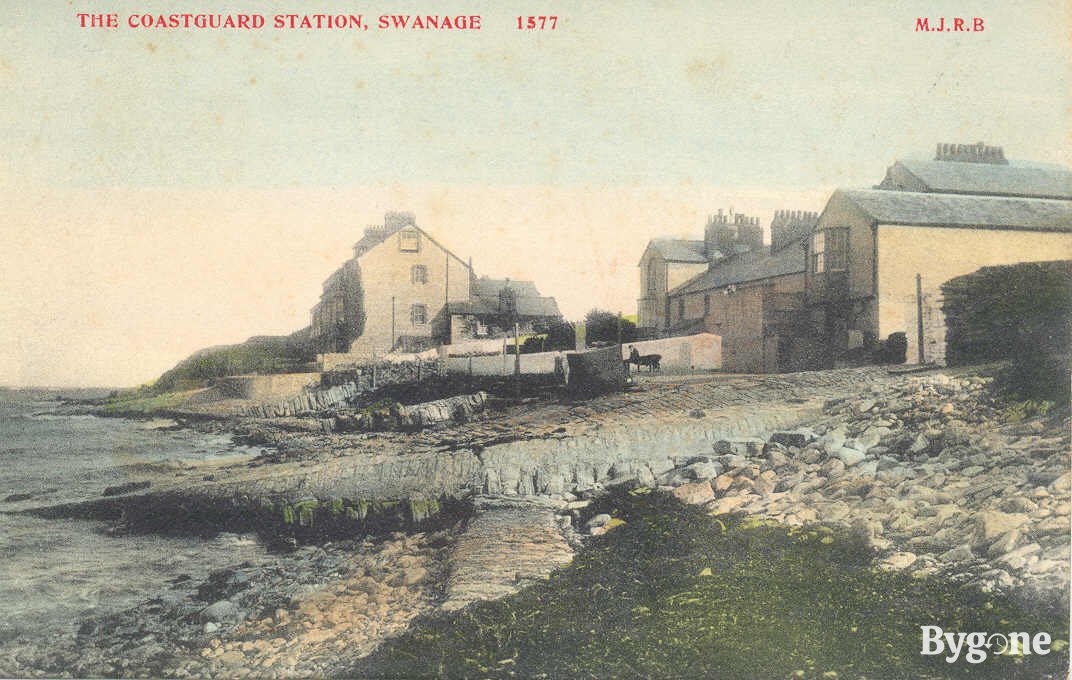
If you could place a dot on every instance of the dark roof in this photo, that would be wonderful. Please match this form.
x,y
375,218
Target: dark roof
x,y
753,266
491,287
474,306
484,299
537,306
679,249
488,306
1018,178
373,238
951,210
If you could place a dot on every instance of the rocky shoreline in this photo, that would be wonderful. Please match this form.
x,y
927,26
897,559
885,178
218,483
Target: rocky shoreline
x,y
309,613
935,475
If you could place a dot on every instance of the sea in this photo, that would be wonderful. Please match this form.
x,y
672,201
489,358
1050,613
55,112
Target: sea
x,y
56,572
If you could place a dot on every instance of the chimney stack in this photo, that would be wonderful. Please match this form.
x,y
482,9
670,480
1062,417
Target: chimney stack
x,y
394,220
970,153
790,226
718,237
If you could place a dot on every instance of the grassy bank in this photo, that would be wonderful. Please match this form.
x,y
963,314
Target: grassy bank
x,y
673,592
142,403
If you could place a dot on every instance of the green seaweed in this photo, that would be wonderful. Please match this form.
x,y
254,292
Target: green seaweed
x,y
421,509
673,592
306,511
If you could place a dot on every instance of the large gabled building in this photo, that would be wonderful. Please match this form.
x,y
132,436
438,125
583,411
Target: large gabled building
x,y
387,295
966,209
404,291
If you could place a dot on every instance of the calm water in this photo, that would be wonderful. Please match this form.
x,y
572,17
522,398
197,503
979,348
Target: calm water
x,y
54,572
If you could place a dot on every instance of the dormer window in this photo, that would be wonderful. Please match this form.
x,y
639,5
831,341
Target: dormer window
x,y
409,241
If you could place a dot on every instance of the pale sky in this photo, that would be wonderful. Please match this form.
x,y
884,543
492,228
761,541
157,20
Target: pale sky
x,y
165,190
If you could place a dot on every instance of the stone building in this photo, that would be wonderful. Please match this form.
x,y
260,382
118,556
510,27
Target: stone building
x,y
752,299
387,295
937,219
668,262
403,290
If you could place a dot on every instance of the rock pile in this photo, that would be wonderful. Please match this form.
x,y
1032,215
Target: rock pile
x,y
926,469
324,631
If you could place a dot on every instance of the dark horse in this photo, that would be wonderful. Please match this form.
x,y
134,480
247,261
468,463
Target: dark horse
x,y
649,360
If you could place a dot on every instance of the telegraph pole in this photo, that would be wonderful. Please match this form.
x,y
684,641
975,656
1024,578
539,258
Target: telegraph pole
x,y
517,358
919,317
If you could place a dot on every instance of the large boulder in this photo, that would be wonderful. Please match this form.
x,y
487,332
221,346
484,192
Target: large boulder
x,y
696,493
849,456
221,611
990,524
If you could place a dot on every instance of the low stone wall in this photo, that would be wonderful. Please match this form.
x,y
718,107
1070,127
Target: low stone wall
x,y
502,365
265,388
373,376
338,388
336,361
700,352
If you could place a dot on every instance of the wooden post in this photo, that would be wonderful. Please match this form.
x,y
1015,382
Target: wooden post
x,y
625,367
392,324
517,360
919,318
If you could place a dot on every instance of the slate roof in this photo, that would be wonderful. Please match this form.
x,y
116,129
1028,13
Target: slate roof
x,y
484,299
491,287
488,306
951,210
371,239
1039,180
679,249
751,266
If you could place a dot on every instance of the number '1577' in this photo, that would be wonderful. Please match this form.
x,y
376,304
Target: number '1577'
x,y
537,23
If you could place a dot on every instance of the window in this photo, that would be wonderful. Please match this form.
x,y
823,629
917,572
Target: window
x,y
818,252
706,304
409,241
419,273
418,315
680,308
830,250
